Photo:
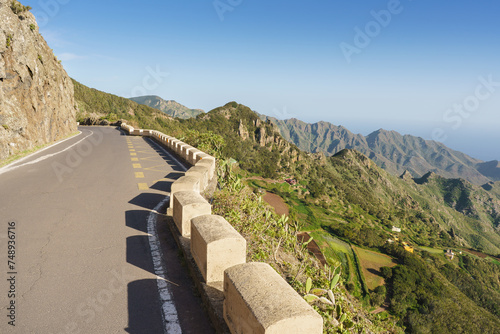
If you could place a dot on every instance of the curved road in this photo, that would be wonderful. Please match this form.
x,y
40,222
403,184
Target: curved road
x,y
82,263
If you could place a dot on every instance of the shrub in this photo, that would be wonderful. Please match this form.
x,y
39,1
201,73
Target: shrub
x,y
17,7
9,40
386,272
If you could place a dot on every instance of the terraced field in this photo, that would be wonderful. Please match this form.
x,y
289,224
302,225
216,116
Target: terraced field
x,y
371,262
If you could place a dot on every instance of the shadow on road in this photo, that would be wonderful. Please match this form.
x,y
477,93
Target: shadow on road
x,y
144,308
138,252
147,200
136,219
168,158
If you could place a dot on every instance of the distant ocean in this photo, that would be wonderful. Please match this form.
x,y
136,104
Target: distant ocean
x,y
484,146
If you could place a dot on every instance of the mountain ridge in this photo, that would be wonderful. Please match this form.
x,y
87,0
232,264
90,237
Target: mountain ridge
x,y
390,150
169,107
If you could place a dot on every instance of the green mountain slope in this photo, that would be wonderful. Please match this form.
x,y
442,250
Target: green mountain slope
x,y
170,107
390,150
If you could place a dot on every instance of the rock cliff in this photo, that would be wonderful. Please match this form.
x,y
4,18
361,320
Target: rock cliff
x,y
36,95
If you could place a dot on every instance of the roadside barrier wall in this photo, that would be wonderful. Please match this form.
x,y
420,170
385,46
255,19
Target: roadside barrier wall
x,y
256,298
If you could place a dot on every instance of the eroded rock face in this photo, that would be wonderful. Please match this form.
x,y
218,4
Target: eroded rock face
x,y
36,94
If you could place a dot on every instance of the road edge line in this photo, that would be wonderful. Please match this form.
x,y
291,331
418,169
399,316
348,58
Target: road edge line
x,y
9,166
169,311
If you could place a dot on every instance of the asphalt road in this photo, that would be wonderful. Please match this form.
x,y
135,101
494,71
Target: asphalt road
x,y
81,254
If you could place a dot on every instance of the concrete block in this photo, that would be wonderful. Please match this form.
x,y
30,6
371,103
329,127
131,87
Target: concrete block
x,y
177,145
259,300
184,183
216,246
210,164
193,154
188,205
201,156
185,152
201,172
173,144
180,148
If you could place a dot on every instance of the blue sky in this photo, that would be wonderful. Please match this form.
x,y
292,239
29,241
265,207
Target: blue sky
x,y
423,67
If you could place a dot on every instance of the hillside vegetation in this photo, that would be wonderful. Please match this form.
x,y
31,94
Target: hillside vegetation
x,y
348,204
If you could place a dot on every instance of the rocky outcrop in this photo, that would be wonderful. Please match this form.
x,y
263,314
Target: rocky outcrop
x,y
242,131
36,95
406,176
170,107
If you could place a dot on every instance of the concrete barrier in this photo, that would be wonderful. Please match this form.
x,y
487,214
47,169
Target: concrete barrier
x,y
193,154
200,172
185,152
202,155
259,300
210,164
174,145
180,148
184,183
188,205
216,246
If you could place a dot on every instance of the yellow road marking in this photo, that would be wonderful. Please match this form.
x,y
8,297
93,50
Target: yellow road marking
x,y
142,186
131,150
139,175
134,159
137,165
153,158
159,168
133,154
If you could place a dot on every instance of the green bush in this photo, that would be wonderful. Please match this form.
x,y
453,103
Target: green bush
x,y
18,8
9,40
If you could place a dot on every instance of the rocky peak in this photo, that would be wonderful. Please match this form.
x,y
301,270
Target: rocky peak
x,y
406,176
36,95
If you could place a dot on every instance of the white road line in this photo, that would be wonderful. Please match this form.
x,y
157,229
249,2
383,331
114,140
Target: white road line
x,y
10,167
169,311
170,316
